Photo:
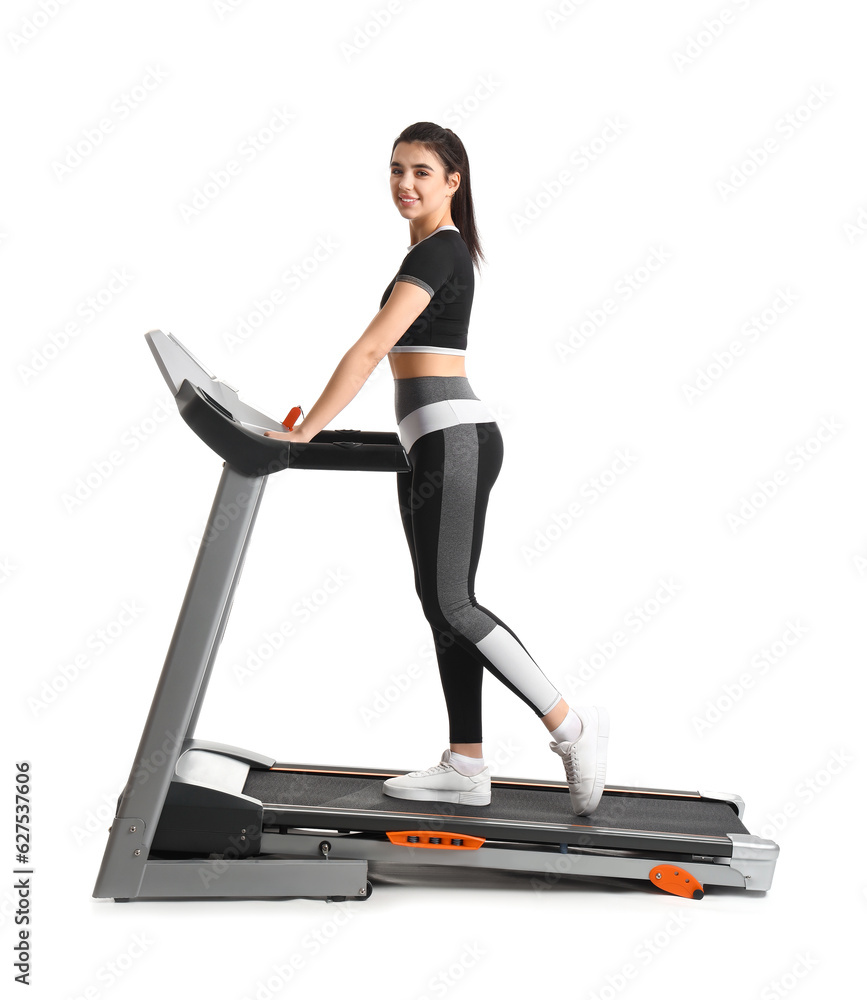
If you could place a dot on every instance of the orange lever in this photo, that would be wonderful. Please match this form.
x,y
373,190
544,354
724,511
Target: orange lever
x,y
677,881
291,417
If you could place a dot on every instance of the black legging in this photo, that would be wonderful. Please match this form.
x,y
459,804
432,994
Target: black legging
x,y
443,502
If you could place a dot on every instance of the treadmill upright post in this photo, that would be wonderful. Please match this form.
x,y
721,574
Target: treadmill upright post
x,y
183,681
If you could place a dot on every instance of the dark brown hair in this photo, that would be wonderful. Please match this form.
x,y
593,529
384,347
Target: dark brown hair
x,y
449,149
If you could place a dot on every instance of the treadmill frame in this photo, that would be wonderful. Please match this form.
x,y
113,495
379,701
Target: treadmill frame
x,y
173,769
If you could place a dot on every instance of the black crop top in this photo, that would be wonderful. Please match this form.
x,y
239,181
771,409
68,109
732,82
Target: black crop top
x,y
442,266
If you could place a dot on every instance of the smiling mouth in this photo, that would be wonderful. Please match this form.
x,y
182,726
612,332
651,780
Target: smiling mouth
x,y
407,201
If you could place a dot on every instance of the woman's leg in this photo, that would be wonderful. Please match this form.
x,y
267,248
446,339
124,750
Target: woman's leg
x,y
460,669
443,509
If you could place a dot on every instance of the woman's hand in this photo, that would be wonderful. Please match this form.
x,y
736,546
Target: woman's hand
x,y
297,436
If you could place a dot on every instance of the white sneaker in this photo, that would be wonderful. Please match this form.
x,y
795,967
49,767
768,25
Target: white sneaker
x,y
442,783
585,760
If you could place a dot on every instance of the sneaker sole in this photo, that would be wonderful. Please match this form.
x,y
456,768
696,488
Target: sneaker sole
x,y
440,795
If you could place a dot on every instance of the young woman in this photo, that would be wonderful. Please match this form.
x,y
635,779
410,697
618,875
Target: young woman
x,y
456,451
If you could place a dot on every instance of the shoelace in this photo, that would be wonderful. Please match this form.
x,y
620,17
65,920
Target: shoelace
x,y
433,770
571,775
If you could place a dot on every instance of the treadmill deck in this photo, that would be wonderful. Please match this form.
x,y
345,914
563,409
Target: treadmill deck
x,y
520,810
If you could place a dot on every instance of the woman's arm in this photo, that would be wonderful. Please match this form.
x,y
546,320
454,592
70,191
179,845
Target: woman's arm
x,y
406,302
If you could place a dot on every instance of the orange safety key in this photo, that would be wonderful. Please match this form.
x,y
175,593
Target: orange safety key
x,y
291,417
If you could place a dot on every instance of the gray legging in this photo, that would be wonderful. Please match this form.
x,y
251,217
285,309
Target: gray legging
x,y
456,451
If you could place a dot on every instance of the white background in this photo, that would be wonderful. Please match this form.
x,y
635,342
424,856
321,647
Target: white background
x,y
697,94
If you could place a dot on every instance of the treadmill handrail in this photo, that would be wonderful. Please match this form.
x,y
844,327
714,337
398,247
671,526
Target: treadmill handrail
x,y
235,430
253,454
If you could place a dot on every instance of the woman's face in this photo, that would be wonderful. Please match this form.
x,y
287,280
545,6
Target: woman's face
x,y
418,183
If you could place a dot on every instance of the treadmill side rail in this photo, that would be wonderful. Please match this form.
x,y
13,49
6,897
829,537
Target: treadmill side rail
x,y
547,867
735,801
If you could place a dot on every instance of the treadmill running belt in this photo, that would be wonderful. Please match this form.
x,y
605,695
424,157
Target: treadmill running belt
x,y
641,812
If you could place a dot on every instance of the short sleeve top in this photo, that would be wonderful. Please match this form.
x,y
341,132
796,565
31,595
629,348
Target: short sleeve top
x,y
442,266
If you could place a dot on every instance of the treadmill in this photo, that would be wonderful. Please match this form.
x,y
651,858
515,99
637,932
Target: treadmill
x,y
203,820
